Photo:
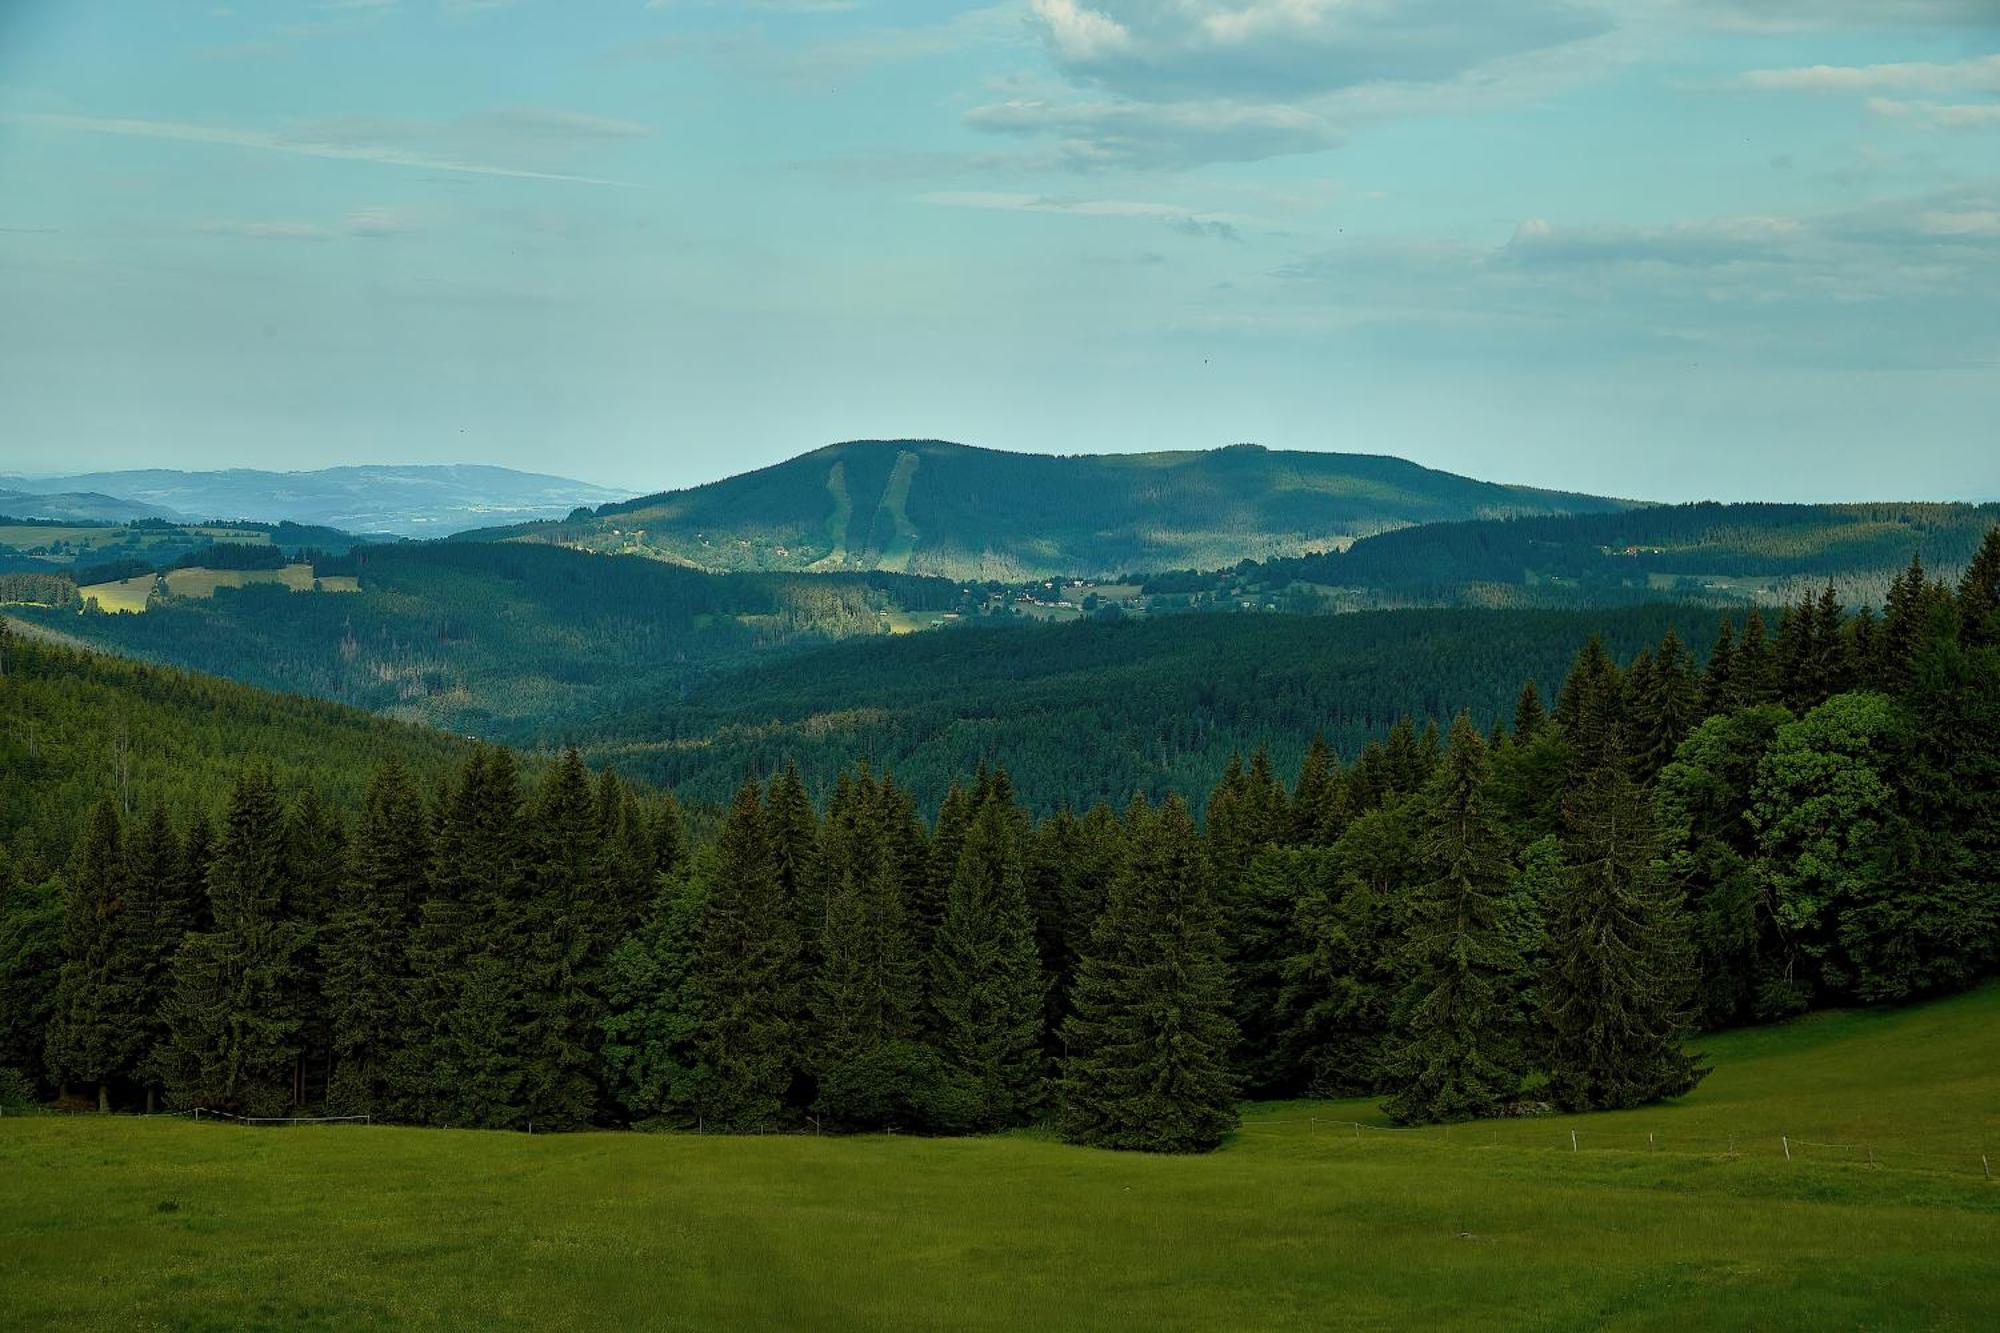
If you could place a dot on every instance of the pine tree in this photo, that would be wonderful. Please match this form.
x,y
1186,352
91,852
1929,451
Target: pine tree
x,y
366,948
1904,617
1319,799
748,969
1459,1055
1619,977
1590,708
1149,1039
985,984
233,1017
794,834
315,878
1719,686
93,1036
1666,708
1755,673
160,915
1529,715
560,925
941,864
463,1067
1979,595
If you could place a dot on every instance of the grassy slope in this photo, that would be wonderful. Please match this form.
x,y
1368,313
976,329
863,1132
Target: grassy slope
x,y
938,508
1290,1225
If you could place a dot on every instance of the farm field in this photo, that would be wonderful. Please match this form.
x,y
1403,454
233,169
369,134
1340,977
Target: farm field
x,y
197,581
1302,1220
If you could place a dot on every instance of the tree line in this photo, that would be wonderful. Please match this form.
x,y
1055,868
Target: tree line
x,y
1463,922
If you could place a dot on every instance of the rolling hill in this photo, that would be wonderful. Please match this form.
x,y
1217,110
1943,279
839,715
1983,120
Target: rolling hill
x,y
930,507
412,501
74,507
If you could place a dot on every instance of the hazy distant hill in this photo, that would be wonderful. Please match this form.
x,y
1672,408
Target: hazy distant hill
x,y
929,507
413,501
75,507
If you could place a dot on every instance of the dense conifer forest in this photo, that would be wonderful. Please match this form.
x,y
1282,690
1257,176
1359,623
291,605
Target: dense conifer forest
x,y
1467,920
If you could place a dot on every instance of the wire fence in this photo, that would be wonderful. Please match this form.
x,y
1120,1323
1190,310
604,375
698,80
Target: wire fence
x,y
1504,1136
205,1113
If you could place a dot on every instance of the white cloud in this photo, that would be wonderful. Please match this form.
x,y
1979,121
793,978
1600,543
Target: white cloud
x,y
1803,15
1187,221
1934,115
1177,134
1162,50
1977,75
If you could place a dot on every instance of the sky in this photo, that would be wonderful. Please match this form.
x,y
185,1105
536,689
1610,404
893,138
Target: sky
x,y
1670,249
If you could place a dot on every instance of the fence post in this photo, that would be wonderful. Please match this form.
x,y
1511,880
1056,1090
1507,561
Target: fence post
x,y
1986,1162
1572,1140
1357,1135
1871,1154
1312,1126
1650,1145
1786,1139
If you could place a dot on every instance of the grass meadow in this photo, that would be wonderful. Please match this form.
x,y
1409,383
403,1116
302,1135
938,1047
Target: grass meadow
x,y
1301,1221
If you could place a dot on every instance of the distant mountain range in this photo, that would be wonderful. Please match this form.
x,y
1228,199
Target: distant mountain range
x,y
410,501
75,507
931,507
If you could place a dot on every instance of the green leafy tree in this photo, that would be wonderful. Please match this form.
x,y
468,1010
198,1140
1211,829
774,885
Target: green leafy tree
x,y
653,1011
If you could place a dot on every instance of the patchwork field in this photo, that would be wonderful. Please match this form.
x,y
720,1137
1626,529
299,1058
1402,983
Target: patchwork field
x,y
197,581
1302,1220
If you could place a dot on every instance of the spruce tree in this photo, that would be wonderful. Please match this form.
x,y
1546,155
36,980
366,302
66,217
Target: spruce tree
x,y
985,979
1719,686
1459,1056
1979,595
1529,715
1755,673
463,1065
1666,708
366,948
1617,985
160,917
1319,799
748,969
560,926
1150,1035
234,1015
653,1006
794,835
94,1035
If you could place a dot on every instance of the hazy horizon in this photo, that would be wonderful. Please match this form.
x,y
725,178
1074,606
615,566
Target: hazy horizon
x,y
1671,249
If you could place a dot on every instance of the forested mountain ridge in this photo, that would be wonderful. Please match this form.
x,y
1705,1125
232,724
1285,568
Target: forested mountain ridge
x,y
933,507
1710,551
505,640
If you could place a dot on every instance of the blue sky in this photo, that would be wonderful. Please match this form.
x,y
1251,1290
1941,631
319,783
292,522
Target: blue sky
x,y
1664,248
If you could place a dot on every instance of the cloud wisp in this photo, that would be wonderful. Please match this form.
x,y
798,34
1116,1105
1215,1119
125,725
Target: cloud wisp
x,y
334,142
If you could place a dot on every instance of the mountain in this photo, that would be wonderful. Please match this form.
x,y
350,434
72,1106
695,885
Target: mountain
x,y
75,507
1708,552
930,507
411,501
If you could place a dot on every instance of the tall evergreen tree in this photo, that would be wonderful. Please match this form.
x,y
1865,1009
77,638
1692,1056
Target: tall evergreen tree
x,y
748,968
1319,799
234,1015
1620,971
1979,595
1666,707
1459,1056
1529,715
1720,691
1755,674
1149,1039
561,924
93,1036
985,983
365,950
161,913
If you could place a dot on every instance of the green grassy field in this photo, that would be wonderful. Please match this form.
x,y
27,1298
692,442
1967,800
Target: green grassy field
x,y
1300,1221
